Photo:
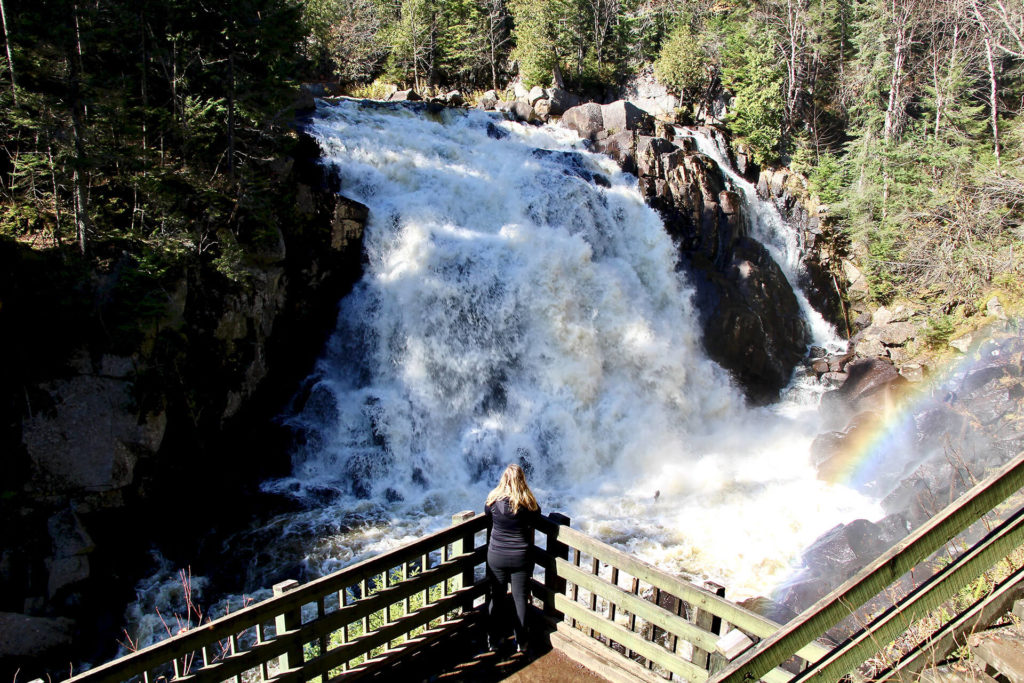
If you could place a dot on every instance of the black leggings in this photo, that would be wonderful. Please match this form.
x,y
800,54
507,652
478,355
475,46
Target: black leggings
x,y
501,570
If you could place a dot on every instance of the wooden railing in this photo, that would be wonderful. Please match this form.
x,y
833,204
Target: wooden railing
x,y
901,618
367,616
656,623
349,623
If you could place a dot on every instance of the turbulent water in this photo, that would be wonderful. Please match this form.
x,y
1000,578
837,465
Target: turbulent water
x,y
521,303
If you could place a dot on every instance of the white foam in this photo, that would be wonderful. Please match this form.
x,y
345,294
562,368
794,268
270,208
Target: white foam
x,y
513,311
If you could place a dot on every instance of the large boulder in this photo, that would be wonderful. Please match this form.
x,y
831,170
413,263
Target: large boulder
x,y
404,96
561,100
586,119
488,100
753,323
521,111
33,641
622,115
97,413
872,384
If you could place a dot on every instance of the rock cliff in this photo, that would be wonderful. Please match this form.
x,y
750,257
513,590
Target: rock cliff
x,y
138,435
752,322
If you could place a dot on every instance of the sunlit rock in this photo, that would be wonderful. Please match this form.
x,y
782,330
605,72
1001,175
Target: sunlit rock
x,y
586,119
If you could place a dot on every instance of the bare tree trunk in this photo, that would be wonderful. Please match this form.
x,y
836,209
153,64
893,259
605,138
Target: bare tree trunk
x,y
143,83
10,61
56,197
993,98
231,114
81,201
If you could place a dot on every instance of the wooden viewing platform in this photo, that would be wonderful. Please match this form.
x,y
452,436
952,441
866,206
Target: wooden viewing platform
x,y
414,614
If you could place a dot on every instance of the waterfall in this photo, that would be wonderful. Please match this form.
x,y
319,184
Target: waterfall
x,y
521,303
766,225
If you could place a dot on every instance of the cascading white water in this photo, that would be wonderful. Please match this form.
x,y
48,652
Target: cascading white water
x,y
515,310
768,227
521,303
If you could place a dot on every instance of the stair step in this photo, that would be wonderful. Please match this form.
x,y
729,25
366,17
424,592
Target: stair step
x,y
945,674
1002,650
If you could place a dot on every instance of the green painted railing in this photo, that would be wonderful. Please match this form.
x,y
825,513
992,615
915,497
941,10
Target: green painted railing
x,y
368,616
350,623
658,624
900,618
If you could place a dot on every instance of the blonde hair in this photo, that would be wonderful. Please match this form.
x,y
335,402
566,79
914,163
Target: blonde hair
x,y
514,488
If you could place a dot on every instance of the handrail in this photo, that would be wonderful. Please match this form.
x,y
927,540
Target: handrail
x,y
452,575
653,626
871,580
670,625
691,593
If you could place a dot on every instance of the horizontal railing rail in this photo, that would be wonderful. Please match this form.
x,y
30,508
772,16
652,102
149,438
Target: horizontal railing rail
x,y
367,616
664,622
876,579
352,621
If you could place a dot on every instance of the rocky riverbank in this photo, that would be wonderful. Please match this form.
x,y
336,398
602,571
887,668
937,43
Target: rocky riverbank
x,y
119,446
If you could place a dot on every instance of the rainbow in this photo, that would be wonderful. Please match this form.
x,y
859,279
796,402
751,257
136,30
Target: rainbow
x,y
888,424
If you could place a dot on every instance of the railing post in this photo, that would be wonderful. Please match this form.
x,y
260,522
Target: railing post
x,y
556,550
466,544
287,622
712,661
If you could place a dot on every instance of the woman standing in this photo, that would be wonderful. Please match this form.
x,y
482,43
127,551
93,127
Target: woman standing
x,y
511,510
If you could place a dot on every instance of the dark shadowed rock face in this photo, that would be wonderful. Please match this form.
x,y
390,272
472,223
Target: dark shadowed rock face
x,y
113,448
752,322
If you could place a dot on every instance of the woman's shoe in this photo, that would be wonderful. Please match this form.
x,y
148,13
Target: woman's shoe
x,y
492,645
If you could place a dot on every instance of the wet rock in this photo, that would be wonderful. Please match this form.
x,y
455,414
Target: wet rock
x,y
754,328
767,607
649,152
802,592
347,223
833,380
619,147
866,377
35,638
521,111
840,552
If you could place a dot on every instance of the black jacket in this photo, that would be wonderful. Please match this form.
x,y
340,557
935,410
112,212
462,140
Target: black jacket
x,y
510,534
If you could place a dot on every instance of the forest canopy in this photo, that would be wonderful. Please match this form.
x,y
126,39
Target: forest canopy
x,y
152,121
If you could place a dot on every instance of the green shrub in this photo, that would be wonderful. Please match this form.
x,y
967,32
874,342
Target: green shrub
x,y
681,64
939,330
